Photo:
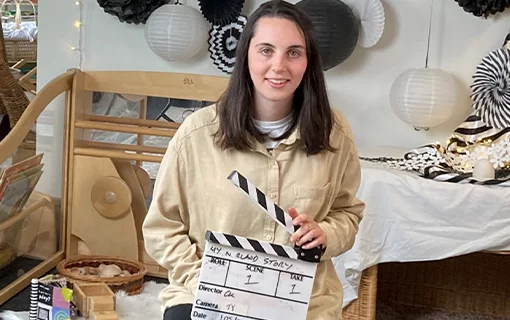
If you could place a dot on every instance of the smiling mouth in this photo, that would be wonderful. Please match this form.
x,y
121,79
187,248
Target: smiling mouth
x,y
277,81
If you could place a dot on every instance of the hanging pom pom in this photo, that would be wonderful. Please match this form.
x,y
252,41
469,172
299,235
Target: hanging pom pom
x,y
221,12
131,11
483,8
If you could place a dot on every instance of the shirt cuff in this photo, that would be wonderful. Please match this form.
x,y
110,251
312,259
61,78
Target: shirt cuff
x,y
332,240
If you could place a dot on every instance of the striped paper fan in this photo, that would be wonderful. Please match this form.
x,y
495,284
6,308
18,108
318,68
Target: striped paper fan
x,y
223,43
491,89
372,19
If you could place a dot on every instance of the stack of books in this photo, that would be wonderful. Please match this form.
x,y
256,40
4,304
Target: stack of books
x,y
17,182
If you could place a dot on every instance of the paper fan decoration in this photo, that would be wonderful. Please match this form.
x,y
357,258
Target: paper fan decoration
x,y
221,12
491,89
223,43
372,20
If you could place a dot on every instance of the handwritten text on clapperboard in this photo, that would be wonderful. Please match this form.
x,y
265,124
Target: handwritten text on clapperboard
x,y
239,284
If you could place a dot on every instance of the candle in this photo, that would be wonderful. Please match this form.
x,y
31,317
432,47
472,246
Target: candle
x,y
483,170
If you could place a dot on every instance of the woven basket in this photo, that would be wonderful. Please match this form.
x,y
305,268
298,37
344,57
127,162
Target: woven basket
x,y
131,284
13,100
476,283
17,50
364,308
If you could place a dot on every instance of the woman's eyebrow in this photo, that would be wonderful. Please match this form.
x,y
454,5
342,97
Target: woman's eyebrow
x,y
266,44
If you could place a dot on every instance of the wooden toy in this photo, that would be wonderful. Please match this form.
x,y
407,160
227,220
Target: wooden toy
x,y
105,180
95,300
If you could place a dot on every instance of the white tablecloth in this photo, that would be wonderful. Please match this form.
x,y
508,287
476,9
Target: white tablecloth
x,y
409,218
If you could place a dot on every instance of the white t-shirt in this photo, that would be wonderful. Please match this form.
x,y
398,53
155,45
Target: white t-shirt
x,y
273,129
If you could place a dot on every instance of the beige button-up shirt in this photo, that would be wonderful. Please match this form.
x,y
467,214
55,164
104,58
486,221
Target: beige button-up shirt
x,y
192,195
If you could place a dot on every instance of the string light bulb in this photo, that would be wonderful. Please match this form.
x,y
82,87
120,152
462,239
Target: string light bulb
x,y
78,25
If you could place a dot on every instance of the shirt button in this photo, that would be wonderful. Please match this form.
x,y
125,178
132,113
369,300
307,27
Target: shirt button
x,y
275,163
269,238
272,195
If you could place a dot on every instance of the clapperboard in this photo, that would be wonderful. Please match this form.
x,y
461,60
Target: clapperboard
x,y
247,279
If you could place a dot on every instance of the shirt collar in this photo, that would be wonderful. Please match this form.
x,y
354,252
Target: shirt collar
x,y
290,140
294,136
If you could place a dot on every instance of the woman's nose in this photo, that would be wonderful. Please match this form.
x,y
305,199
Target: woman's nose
x,y
279,63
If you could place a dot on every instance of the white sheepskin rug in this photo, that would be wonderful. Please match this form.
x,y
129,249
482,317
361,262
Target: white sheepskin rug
x,y
142,306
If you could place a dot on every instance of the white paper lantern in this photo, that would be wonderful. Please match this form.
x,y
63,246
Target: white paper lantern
x,y
424,98
176,32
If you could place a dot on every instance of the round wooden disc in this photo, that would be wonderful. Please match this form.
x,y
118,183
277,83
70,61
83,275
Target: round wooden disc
x,y
111,197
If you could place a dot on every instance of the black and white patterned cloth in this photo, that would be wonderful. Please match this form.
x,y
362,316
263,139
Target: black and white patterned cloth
x,y
223,43
491,89
454,162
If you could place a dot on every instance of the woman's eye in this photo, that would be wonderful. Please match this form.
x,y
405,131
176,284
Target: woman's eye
x,y
265,51
294,53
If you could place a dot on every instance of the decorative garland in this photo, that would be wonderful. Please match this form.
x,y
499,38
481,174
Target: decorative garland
x,y
483,8
472,141
131,11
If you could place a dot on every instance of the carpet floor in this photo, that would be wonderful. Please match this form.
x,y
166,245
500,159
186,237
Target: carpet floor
x,y
20,302
384,311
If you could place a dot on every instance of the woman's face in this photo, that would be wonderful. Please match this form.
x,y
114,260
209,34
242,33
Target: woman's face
x,y
276,59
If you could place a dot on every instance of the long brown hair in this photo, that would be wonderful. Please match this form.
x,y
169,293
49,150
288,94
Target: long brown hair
x,y
311,108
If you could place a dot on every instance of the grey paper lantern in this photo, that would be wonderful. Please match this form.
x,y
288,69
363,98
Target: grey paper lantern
x,y
176,32
337,29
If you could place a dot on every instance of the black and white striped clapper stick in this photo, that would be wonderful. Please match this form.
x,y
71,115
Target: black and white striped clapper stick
x,y
275,212
271,208
251,244
34,291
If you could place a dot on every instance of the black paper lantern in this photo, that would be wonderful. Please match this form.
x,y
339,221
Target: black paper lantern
x,y
223,42
483,8
131,11
221,12
336,26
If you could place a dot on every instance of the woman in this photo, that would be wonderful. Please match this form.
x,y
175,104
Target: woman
x,y
275,126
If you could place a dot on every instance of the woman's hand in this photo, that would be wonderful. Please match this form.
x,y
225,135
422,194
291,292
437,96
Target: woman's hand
x,y
309,231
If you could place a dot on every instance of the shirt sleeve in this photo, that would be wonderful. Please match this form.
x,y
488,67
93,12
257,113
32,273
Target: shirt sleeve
x,y
342,222
166,226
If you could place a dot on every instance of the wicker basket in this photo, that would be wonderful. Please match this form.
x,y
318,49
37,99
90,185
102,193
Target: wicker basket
x,y
131,284
364,308
17,50
13,100
20,49
476,283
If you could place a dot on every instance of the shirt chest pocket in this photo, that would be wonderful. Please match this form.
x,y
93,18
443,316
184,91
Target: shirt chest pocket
x,y
314,201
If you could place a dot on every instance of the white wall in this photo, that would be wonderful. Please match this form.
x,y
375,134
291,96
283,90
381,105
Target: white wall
x,y
359,87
